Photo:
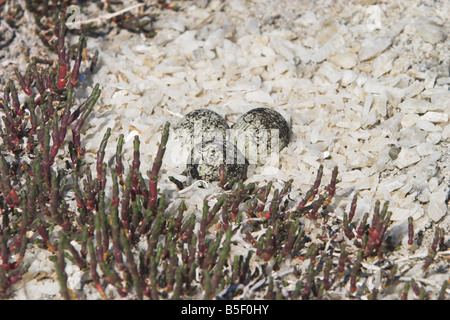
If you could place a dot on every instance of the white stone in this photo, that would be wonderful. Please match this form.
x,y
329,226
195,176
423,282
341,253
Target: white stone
x,y
334,44
386,187
435,117
411,105
348,77
446,132
425,149
259,96
46,286
409,120
430,31
407,157
372,47
344,60
74,275
383,63
427,126
424,195
402,214
437,208
434,137
433,183
443,81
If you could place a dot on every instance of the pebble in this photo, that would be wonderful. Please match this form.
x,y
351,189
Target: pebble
x,y
393,153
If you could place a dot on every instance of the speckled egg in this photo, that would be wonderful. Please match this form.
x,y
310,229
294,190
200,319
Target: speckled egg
x,y
259,134
206,157
200,125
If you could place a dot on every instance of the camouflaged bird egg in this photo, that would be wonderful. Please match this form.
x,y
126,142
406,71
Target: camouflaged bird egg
x,y
259,134
206,157
200,125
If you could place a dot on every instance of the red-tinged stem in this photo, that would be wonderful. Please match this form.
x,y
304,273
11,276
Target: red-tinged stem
x,y
21,240
91,189
46,156
14,98
125,204
415,287
61,274
138,285
90,103
44,235
65,117
362,226
332,186
113,278
347,230
119,165
32,190
405,291
63,68
38,81
25,86
354,272
76,256
222,260
55,138
135,167
353,208
287,249
342,261
434,244
93,269
101,173
157,226
263,198
222,180
77,64
269,245
225,217
157,166
103,223
4,251
313,191
11,196
309,282
115,225
443,290
326,274
274,205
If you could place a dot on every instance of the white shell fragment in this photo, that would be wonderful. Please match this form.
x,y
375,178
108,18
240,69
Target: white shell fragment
x,y
407,157
437,207
372,47
430,31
